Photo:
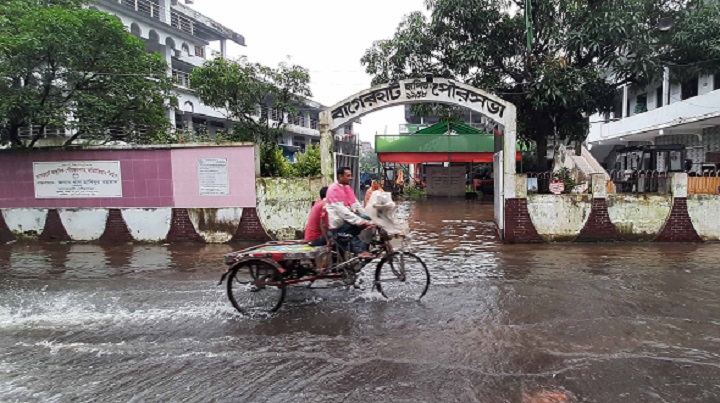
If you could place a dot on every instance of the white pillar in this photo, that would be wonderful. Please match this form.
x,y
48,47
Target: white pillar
x,y
165,10
223,47
171,117
326,147
509,152
666,86
625,101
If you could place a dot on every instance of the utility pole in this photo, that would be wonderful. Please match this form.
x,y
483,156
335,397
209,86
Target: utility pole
x,y
528,25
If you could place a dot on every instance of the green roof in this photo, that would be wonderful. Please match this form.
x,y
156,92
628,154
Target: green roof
x,y
457,127
423,143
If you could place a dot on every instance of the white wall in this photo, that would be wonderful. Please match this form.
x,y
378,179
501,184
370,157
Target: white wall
x,y
697,108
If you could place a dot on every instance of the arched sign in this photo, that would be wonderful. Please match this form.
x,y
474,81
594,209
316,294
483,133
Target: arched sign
x,y
429,90
414,91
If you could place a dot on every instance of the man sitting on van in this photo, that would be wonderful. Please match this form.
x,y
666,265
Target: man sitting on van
x,y
314,233
345,214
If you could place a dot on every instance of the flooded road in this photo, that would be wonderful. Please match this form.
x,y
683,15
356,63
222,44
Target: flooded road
x,y
500,323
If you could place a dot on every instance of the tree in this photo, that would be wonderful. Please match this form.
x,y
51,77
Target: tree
x,y
369,161
65,66
240,87
580,52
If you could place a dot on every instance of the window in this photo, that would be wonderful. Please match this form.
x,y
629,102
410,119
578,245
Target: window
x,y
659,97
641,103
675,160
618,104
689,88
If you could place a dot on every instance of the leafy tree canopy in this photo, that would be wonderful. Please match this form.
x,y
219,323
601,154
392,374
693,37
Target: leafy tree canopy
x,y
581,52
65,66
240,87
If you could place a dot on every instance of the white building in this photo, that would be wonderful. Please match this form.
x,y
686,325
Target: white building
x,y
660,116
184,37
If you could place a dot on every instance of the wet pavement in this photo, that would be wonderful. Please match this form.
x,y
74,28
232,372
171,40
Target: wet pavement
x,y
500,323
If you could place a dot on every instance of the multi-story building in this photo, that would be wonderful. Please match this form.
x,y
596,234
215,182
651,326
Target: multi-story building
x,y
186,38
665,126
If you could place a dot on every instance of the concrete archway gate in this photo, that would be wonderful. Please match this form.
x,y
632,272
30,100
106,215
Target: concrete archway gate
x,y
434,90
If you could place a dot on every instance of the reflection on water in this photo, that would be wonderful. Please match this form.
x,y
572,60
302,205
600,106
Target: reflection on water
x,y
515,323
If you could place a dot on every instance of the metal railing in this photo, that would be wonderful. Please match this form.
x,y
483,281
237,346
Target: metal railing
x,y
640,181
276,115
91,130
154,10
298,120
182,22
181,78
347,147
42,132
145,7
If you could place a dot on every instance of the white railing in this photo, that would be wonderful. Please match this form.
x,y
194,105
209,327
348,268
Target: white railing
x,y
72,128
39,131
146,7
182,22
153,10
181,78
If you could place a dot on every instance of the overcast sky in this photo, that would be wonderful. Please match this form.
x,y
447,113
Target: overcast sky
x,y
326,36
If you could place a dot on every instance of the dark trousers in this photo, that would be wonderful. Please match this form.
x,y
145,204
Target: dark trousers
x,y
356,245
319,242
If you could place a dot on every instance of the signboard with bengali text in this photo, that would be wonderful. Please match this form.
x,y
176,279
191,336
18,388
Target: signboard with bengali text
x,y
77,179
213,177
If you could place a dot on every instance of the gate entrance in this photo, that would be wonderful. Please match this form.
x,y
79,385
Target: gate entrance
x,y
432,90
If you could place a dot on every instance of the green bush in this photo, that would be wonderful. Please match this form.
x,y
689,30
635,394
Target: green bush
x,y
413,193
563,174
272,162
307,163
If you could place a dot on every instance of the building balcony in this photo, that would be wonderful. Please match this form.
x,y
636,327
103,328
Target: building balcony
x,y
144,7
181,78
689,116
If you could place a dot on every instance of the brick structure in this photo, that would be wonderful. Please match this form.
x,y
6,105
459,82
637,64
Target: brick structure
x,y
54,229
116,230
5,234
598,227
182,228
518,225
250,228
679,227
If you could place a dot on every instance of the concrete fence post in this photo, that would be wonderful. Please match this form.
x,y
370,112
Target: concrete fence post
x,y
257,160
599,185
679,185
326,148
521,186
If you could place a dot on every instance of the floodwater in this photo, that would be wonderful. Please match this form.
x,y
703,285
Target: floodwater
x,y
500,323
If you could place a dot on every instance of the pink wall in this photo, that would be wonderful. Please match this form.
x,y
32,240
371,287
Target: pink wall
x,y
241,176
151,177
146,178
